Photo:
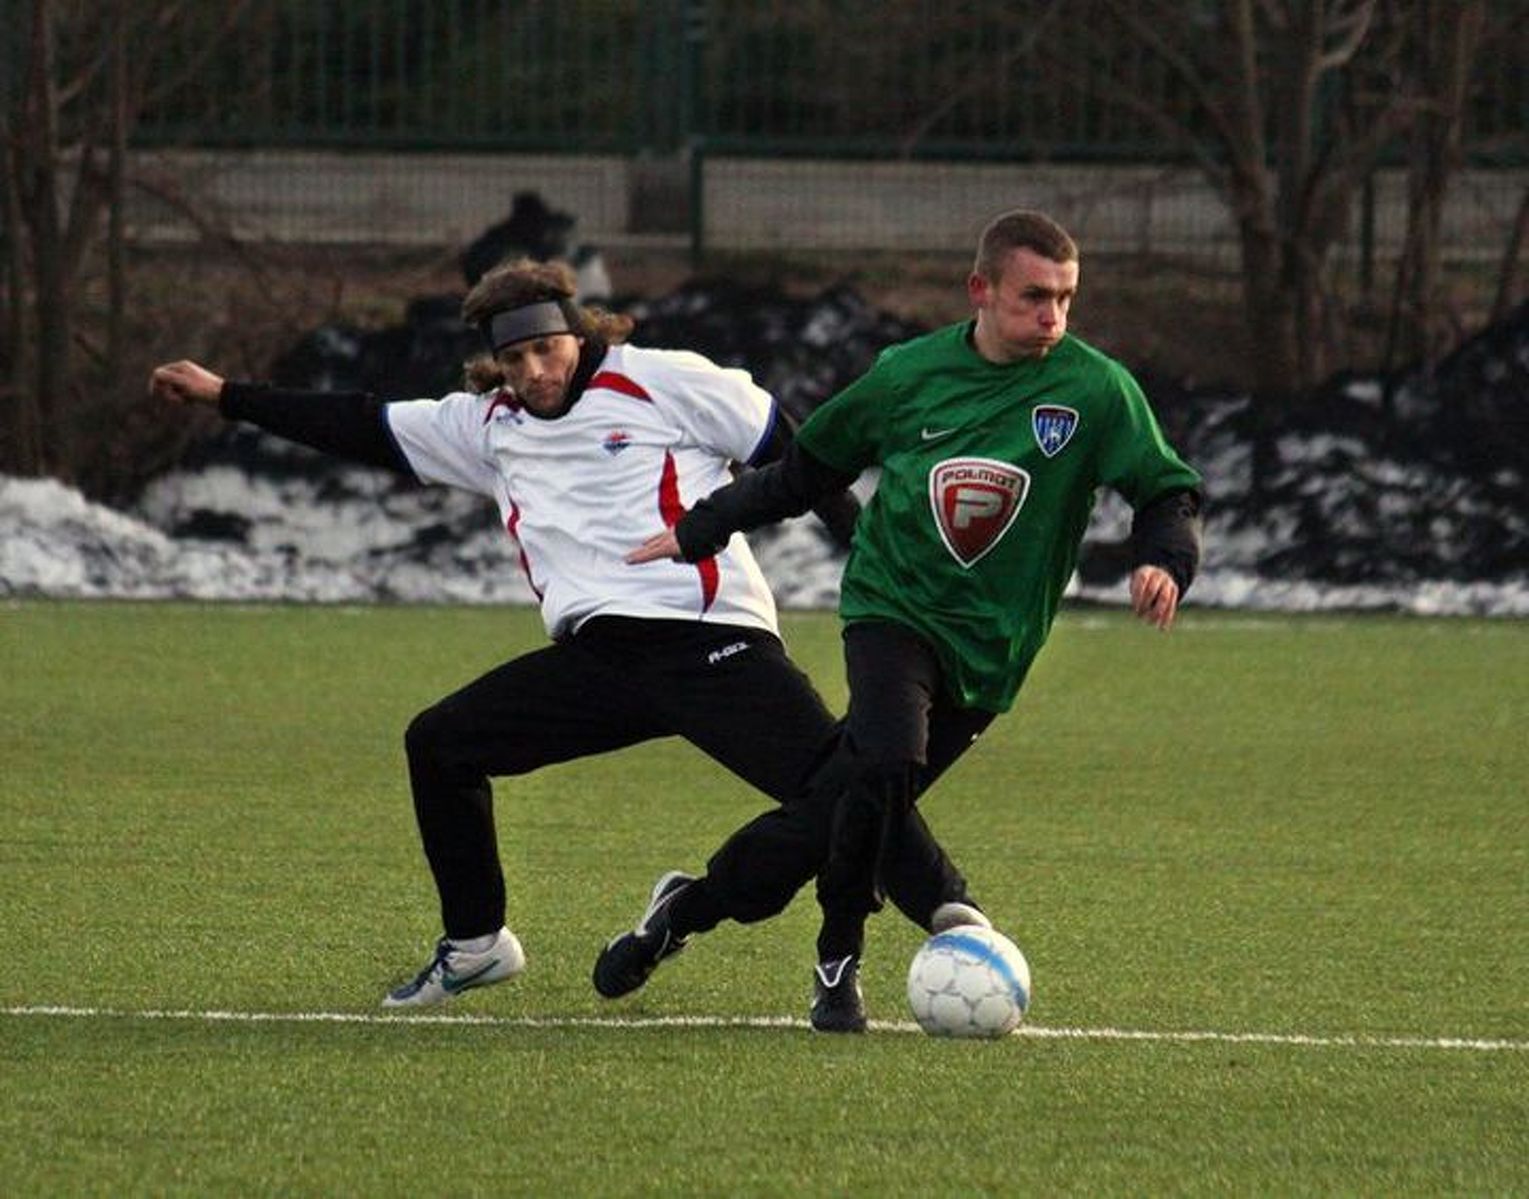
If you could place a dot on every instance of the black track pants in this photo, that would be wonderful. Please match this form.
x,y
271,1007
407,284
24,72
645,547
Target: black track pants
x,y
732,692
903,731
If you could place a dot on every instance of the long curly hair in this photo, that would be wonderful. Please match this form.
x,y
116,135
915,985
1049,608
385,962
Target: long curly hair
x,y
524,281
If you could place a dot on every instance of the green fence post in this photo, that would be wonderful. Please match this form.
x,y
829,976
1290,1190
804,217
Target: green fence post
x,y
697,203
693,34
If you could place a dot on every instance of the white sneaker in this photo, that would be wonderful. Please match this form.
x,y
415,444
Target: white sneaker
x,y
957,915
452,971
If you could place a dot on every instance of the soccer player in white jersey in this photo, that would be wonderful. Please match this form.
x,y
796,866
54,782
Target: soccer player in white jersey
x,y
588,446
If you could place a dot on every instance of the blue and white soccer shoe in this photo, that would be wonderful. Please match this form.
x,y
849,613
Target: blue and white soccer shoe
x,y
452,971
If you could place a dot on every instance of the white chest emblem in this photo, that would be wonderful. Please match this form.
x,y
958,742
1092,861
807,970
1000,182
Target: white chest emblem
x,y
975,500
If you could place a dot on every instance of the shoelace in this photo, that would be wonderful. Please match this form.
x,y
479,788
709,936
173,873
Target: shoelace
x,y
438,961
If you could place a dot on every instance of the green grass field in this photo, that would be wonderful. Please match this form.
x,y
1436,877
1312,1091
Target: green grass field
x,y
1302,843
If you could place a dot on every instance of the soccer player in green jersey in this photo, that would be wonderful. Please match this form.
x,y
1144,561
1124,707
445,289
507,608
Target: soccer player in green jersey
x,y
992,437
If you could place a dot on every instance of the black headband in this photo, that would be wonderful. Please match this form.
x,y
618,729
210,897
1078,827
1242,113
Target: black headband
x,y
520,324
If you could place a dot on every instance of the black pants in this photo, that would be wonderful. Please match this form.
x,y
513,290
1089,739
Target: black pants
x,y
902,732
730,691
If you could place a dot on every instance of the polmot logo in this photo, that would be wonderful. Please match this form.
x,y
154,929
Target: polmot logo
x,y
975,500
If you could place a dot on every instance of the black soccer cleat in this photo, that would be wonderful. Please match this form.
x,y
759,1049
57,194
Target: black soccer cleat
x,y
837,1005
625,964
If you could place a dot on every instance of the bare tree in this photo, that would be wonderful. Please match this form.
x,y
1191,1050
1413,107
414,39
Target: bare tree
x,y
1507,274
1290,104
1288,107
1443,52
65,126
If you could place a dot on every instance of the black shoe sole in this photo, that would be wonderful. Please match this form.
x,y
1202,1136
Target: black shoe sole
x,y
838,1026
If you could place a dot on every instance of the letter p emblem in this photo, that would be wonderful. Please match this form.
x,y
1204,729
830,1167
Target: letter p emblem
x,y
974,501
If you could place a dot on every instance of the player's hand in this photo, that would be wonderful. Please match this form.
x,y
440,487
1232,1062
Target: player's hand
x,y
185,382
660,545
1154,596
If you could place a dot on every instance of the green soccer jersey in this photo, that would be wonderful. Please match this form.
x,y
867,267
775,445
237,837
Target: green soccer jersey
x,y
988,477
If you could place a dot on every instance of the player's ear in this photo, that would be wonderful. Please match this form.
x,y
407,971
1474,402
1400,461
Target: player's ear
x,y
977,289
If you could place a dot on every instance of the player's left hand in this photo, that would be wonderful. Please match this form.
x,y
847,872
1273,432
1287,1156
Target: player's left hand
x,y
1154,596
660,545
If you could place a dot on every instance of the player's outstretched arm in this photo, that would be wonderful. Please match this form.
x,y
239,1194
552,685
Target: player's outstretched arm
x,y
837,510
350,425
1154,596
786,487
185,382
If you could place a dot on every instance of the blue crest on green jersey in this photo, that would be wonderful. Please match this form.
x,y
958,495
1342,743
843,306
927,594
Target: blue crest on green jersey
x,y
1054,426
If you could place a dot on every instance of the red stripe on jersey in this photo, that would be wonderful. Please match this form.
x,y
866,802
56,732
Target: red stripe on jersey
x,y
671,508
513,526
612,381
502,399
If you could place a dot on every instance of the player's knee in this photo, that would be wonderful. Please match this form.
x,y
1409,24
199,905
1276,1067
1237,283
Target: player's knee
x,y
438,739
890,780
750,890
427,736
869,768
749,906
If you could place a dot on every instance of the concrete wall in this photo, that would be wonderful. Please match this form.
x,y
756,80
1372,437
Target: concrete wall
x,y
447,199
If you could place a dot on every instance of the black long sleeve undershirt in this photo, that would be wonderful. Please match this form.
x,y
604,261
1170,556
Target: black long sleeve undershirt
x,y
1167,532
1164,532
789,486
347,424
836,507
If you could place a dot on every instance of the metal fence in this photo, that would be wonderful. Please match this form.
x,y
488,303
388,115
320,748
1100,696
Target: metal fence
x,y
780,124
1026,81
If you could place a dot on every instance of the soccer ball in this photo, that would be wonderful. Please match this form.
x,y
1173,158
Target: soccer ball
x,y
969,982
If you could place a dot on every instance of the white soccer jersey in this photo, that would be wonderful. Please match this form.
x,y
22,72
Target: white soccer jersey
x,y
653,432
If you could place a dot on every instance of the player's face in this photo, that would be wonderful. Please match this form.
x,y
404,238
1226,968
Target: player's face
x,y
539,370
1023,312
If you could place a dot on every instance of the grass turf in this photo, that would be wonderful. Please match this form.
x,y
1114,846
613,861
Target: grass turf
x,y
1297,826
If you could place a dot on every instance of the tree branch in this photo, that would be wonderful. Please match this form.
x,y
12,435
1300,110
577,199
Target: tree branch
x,y
233,11
1149,34
978,80
1507,275
1350,30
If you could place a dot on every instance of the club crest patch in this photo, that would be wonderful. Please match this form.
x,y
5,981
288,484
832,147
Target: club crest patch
x,y
975,500
1054,426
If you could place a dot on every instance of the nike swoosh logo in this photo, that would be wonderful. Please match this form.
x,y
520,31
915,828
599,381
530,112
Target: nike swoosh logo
x,y
832,973
453,983
927,434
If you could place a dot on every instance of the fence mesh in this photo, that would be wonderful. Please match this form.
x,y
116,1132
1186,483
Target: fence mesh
x,y
783,124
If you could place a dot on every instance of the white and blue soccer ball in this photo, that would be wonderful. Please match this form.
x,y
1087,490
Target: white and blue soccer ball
x,y
969,981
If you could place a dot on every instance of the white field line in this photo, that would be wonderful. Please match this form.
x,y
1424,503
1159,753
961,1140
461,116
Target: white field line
x,y
1037,1032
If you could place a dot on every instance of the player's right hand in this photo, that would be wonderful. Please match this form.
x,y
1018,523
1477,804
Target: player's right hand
x,y
1154,596
185,382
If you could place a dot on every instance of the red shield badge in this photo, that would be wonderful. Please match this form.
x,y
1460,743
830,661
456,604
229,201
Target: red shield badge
x,y
975,500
